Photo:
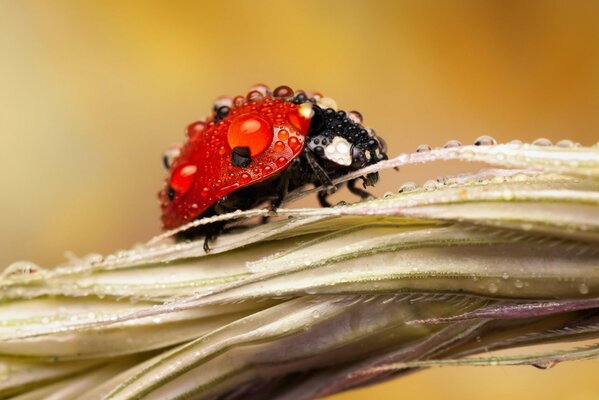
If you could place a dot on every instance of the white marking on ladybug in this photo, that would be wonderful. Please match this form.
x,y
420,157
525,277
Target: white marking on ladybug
x,y
339,151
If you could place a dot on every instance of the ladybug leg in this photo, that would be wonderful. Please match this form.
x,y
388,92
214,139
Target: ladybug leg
x,y
320,173
322,199
363,194
212,232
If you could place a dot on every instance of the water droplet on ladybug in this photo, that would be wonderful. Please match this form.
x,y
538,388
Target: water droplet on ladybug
x,y
244,178
355,117
279,147
182,178
327,102
267,170
263,89
251,131
283,92
281,161
238,101
194,128
169,156
223,101
283,134
254,95
222,150
294,143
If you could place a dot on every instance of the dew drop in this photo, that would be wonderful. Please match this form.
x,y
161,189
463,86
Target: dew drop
x,y
283,134
407,187
223,101
430,185
355,117
485,140
519,284
194,128
505,275
492,288
238,101
281,161
583,288
315,314
423,148
244,178
566,143
254,95
452,143
388,195
542,142
267,170
327,102
20,268
294,143
279,146
283,91
262,89
516,142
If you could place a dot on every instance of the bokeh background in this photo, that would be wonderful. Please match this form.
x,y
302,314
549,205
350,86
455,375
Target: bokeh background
x,y
92,92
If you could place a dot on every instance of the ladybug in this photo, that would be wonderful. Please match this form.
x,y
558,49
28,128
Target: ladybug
x,y
257,148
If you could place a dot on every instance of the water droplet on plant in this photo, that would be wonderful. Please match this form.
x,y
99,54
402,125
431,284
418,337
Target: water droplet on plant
x,y
315,314
583,288
485,140
505,275
492,288
519,284
20,268
407,187
452,144
565,143
542,142
423,148
430,185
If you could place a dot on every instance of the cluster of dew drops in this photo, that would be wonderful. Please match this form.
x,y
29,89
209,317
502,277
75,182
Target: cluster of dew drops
x,y
484,140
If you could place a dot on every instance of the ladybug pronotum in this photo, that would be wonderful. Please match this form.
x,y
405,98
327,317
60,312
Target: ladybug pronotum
x,y
256,149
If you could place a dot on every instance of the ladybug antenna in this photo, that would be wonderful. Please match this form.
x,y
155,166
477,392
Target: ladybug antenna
x,y
241,156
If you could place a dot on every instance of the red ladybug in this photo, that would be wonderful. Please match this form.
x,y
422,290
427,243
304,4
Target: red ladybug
x,y
257,148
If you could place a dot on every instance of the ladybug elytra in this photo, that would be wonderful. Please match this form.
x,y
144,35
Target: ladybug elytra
x,y
256,149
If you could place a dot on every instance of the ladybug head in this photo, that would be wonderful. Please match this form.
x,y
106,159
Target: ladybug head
x,y
342,143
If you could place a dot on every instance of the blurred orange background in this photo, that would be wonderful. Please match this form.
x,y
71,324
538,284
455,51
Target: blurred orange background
x,y
92,92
